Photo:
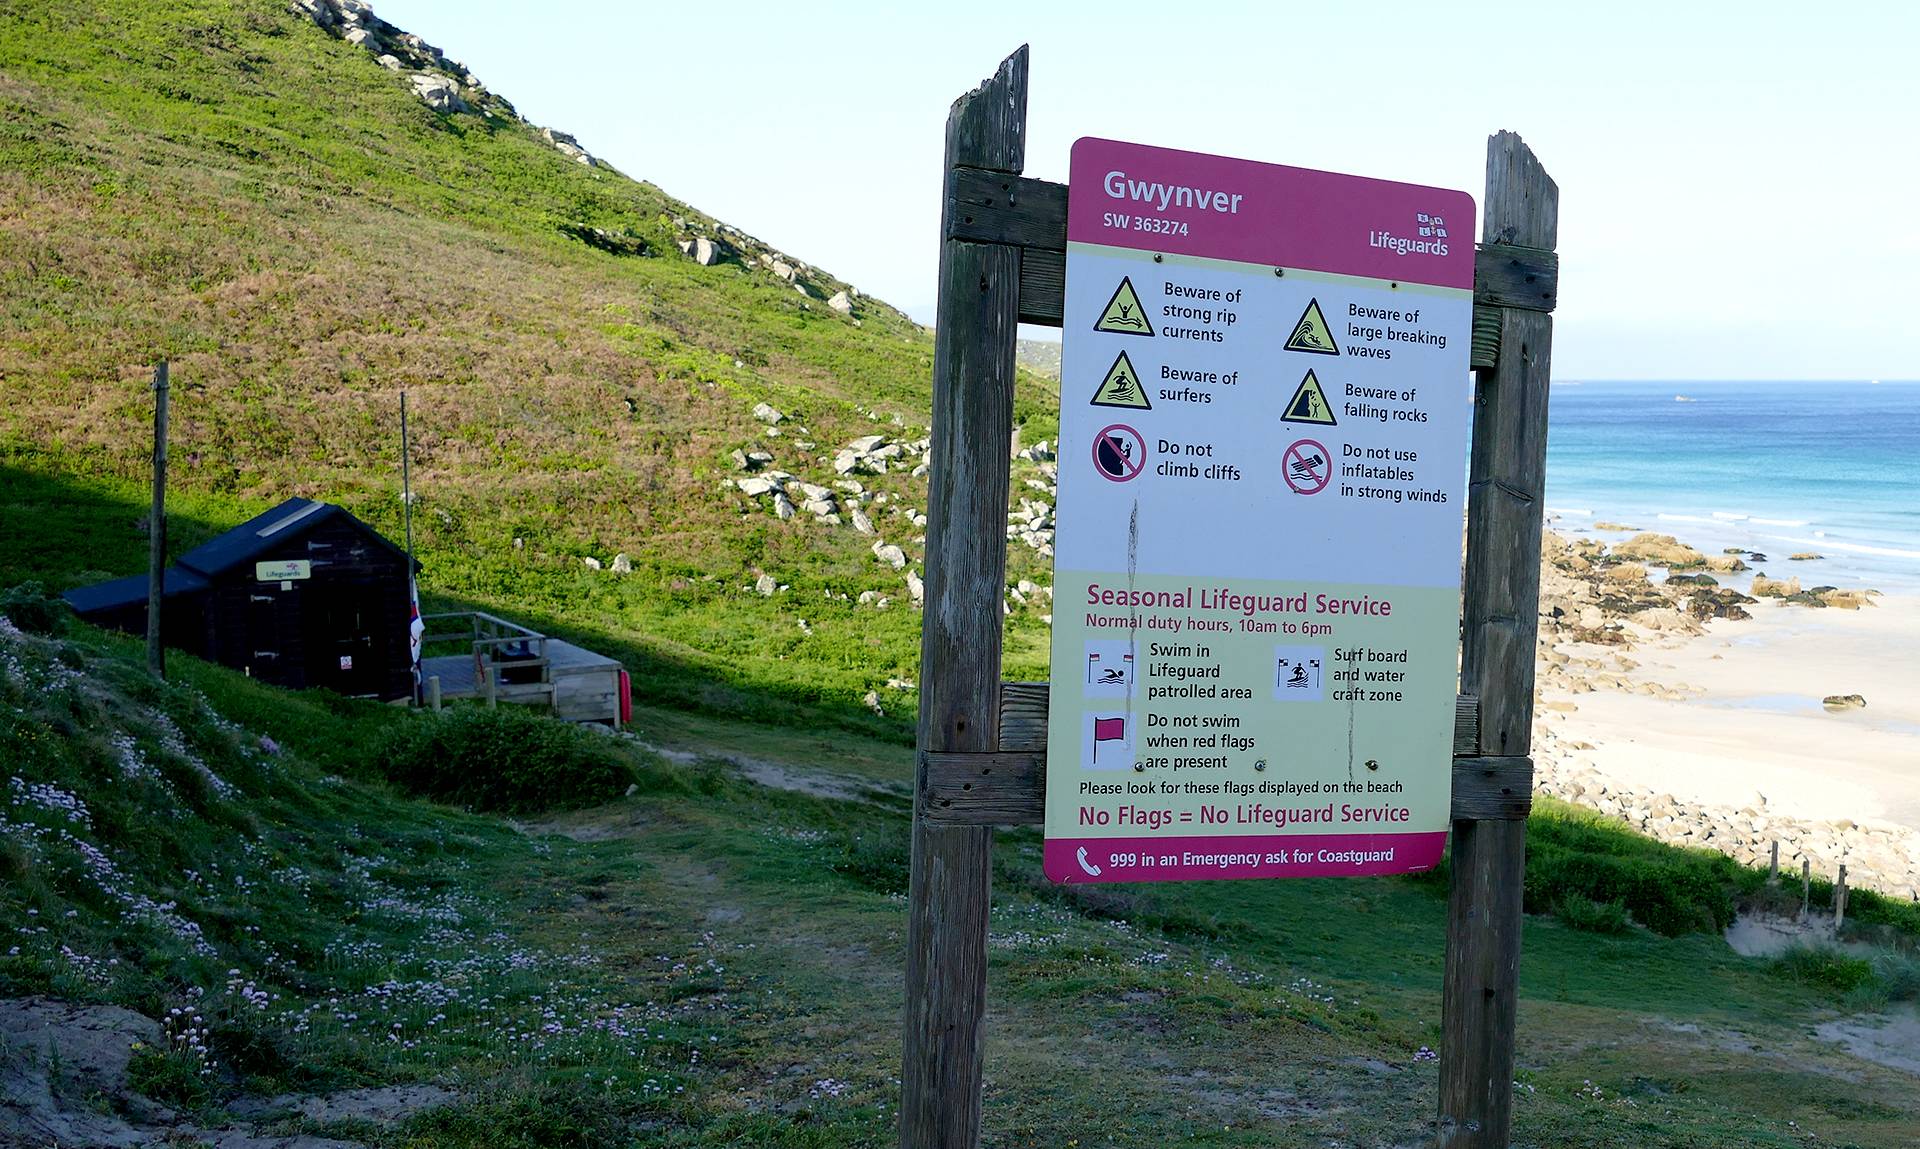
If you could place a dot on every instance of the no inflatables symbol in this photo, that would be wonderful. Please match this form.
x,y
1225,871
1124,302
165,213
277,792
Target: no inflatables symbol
x,y
1121,387
1309,404
1305,467
1123,314
1311,334
1119,453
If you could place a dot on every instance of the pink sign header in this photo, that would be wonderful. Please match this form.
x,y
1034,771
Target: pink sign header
x,y
1186,203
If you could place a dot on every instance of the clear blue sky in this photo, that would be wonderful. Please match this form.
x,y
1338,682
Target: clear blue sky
x,y
1738,181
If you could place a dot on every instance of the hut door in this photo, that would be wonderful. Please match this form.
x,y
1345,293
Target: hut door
x,y
341,650
270,652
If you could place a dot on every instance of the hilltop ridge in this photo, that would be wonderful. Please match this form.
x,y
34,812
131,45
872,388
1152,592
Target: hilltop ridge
x,y
308,211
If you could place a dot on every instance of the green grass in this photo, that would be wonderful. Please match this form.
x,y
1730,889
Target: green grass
x,y
223,184
713,962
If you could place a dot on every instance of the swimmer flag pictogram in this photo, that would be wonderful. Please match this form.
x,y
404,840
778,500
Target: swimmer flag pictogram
x,y
1123,314
1309,404
1122,387
1312,333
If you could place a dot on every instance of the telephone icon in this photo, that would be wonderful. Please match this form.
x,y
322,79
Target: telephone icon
x,y
1092,870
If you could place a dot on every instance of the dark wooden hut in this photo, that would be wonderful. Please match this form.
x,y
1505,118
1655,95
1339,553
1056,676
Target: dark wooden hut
x,y
303,595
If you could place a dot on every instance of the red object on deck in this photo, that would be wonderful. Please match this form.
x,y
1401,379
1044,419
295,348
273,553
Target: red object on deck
x,y
626,699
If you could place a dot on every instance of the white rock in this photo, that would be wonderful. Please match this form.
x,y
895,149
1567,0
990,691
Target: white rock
x,y
755,486
782,505
593,564
706,253
391,63
841,303
783,269
892,555
866,443
766,414
867,596
862,523
915,587
764,584
438,93
622,564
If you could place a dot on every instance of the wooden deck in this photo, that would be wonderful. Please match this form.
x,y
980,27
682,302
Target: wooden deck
x,y
577,684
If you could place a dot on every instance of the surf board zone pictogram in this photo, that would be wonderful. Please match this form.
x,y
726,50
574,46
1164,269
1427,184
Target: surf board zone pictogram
x,y
1312,334
1121,387
1123,314
1309,404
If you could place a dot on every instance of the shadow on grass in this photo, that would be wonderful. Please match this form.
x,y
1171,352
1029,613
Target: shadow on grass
x,y
65,532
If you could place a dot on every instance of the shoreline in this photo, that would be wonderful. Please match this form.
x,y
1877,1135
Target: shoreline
x,y
1694,712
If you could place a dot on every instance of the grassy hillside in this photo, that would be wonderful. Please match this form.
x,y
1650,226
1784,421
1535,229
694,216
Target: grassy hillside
x,y
225,184
715,962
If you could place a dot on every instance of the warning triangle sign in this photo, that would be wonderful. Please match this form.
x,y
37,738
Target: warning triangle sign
x,y
1312,334
1309,404
1123,314
1122,388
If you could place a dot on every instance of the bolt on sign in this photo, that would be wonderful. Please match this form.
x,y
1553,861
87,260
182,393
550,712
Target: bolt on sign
x,y
1263,440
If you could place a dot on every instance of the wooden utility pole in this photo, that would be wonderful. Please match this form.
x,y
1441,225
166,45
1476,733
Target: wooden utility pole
x,y
157,527
948,895
1506,476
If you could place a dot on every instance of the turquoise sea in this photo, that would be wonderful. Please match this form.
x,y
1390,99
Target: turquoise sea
x,y
1778,467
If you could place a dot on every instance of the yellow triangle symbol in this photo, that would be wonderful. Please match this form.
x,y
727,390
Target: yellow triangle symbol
x,y
1309,404
1121,387
1123,314
1312,334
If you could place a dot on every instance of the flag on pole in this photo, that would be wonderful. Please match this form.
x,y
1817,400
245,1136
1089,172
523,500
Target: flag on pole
x,y
1108,730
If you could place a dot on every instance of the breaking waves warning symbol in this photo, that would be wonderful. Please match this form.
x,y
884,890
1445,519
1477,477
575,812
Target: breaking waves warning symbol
x,y
1312,333
1309,404
1123,314
1121,387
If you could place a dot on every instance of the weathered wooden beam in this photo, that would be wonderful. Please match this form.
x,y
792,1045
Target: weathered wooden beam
x,y
1506,476
1009,788
1023,719
1001,208
949,889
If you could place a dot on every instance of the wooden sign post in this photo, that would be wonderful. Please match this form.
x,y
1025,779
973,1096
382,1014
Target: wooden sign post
x,y
982,742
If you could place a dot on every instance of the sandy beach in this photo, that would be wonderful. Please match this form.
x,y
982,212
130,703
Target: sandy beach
x,y
1712,731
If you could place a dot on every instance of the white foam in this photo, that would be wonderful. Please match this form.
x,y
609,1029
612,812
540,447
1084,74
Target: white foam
x,y
1781,522
1684,518
1730,517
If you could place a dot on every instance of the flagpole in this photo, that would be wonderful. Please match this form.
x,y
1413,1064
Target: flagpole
x,y
406,515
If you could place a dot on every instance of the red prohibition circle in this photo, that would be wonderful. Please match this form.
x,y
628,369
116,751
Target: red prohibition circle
x,y
1114,465
1305,481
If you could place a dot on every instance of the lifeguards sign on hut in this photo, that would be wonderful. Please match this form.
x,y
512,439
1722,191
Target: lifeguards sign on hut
x,y
1265,411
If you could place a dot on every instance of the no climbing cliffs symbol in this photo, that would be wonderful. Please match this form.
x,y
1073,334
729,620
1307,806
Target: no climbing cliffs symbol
x,y
1121,387
1123,314
1311,333
1309,404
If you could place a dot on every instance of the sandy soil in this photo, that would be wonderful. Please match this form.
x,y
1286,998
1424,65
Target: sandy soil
x,y
1754,722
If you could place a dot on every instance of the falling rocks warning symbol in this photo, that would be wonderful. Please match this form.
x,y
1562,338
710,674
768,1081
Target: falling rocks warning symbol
x,y
1121,387
1309,404
1123,314
1311,334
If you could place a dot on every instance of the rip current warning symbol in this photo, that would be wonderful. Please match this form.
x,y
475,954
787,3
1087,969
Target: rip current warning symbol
x,y
1123,314
1309,404
1122,387
1312,334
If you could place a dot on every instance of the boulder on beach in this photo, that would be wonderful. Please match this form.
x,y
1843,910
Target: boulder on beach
x,y
1725,564
1659,550
1844,702
1804,556
1765,587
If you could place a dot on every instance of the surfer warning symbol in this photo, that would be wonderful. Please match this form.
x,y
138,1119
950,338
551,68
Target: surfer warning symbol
x,y
1312,334
1309,404
1123,314
1121,387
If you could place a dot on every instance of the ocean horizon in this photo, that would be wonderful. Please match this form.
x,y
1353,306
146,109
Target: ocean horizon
x,y
1780,467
